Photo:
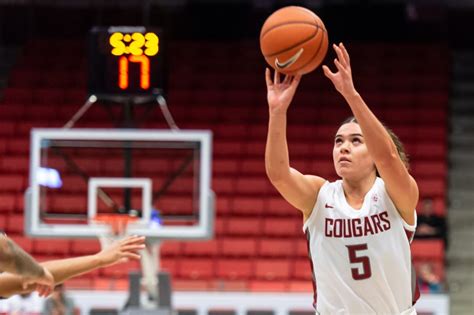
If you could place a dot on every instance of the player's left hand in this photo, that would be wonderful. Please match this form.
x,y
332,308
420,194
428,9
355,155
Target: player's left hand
x,y
122,250
342,79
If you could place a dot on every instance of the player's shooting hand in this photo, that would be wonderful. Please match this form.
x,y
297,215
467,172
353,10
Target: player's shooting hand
x,y
44,284
122,250
342,79
280,94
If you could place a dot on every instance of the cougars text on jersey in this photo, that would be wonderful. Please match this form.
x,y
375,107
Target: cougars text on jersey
x,y
374,224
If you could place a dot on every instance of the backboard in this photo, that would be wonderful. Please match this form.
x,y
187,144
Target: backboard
x,y
161,176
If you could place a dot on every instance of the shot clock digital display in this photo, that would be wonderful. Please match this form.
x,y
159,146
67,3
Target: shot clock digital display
x,y
126,60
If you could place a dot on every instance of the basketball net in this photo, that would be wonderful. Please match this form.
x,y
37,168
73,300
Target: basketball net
x,y
118,224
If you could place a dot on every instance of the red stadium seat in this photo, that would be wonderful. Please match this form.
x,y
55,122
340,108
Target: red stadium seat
x,y
268,286
175,205
170,265
227,148
69,203
428,249
234,269
231,131
224,166
7,128
223,185
302,269
302,247
52,246
80,283
428,151
74,184
14,224
247,206
18,95
15,164
283,227
253,186
223,206
272,269
171,249
300,286
244,226
7,202
276,247
433,169
85,247
201,248
108,283
48,96
196,269
120,270
432,187
11,111
220,226
255,148
253,167
16,146
3,221
277,206
237,247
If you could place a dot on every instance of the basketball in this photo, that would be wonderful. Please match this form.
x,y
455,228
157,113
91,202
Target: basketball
x,y
293,40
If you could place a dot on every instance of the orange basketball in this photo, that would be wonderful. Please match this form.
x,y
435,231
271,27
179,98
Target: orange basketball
x,y
294,40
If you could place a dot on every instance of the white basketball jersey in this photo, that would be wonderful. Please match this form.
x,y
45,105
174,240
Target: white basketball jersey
x,y
360,258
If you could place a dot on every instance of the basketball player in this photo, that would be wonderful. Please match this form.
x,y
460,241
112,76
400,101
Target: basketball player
x,y
57,271
358,228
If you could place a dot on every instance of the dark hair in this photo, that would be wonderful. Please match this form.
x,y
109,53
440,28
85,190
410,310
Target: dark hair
x,y
400,147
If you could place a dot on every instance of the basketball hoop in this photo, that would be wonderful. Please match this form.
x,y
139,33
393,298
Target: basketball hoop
x,y
118,224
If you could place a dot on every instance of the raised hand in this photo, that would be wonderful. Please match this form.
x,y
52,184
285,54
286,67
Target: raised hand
x,y
122,250
280,94
342,79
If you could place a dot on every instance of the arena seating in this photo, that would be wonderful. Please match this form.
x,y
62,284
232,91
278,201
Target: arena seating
x,y
259,243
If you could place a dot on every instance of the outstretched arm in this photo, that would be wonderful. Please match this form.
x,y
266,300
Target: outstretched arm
x,y
65,269
299,190
400,185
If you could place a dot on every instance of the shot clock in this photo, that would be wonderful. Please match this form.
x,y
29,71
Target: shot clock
x,y
126,60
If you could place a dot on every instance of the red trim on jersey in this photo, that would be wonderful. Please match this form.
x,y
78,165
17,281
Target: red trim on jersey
x,y
410,235
415,289
416,292
315,293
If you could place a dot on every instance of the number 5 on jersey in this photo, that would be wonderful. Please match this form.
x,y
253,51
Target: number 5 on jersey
x,y
359,259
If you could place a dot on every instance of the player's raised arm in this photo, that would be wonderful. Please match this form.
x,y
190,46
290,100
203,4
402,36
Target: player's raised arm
x,y
400,185
298,189
64,269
